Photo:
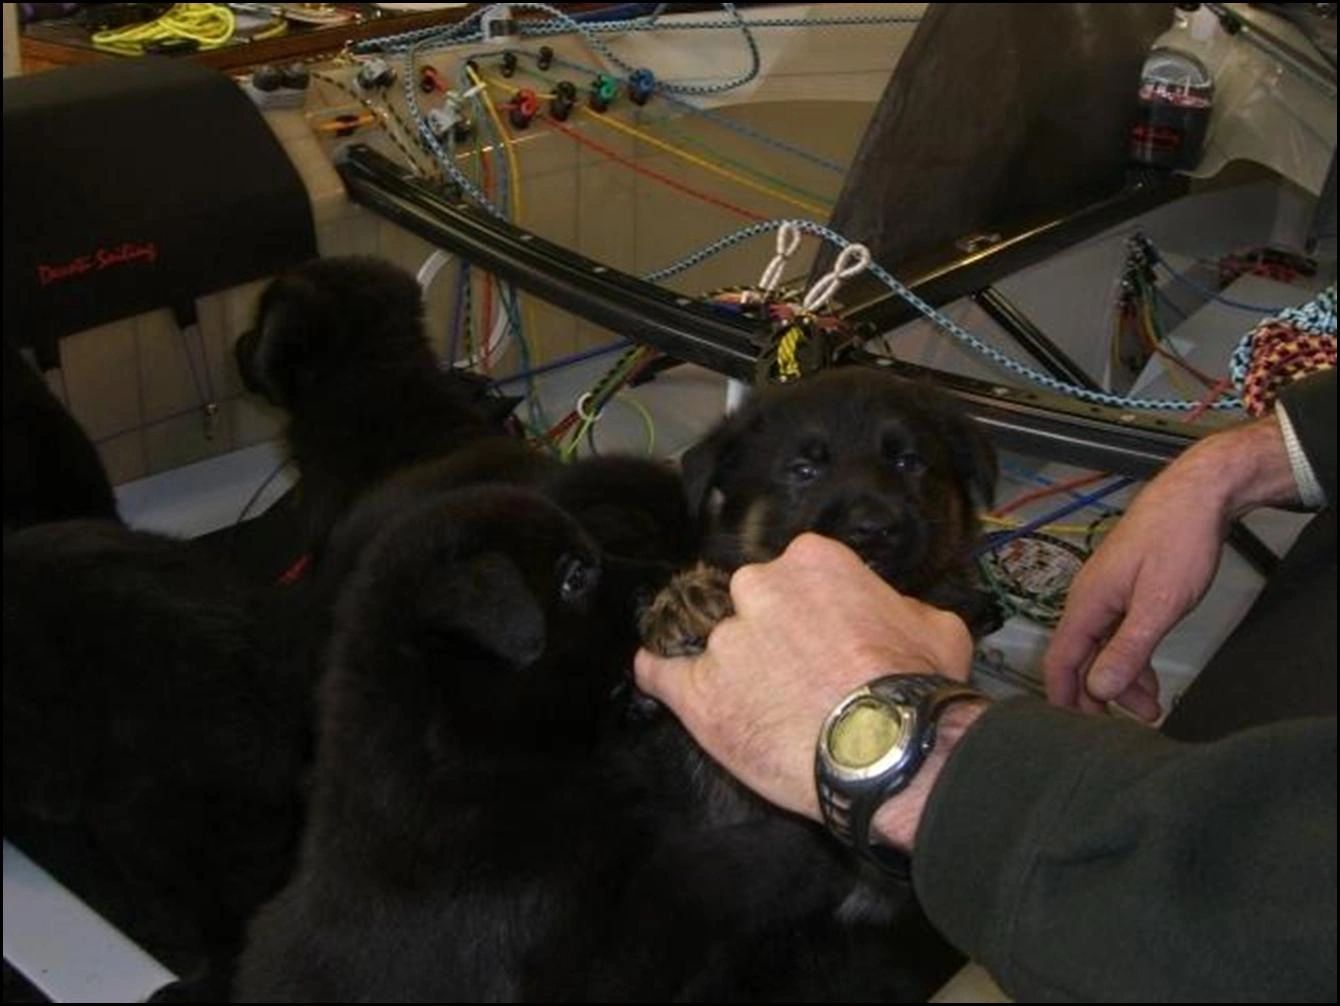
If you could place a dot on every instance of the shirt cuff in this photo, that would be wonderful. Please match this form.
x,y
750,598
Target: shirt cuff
x,y
1310,491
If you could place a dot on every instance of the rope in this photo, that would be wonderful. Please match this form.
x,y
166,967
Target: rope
x,y
465,31
648,172
706,165
939,319
1296,342
208,24
380,115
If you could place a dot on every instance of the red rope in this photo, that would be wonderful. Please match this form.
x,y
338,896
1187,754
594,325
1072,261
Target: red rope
x,y
1052,490
656,175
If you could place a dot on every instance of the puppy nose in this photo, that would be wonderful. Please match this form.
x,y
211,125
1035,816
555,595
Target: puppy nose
x,y
869,521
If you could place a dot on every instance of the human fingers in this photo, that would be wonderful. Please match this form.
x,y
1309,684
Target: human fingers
x,y
1141,698
1126,655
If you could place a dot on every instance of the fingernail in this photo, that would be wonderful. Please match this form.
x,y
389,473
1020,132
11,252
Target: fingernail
x,y
1103,682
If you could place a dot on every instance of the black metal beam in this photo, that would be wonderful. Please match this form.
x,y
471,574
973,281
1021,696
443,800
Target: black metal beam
x,y
957,272
1059,428
1018,326
680,326
1021,419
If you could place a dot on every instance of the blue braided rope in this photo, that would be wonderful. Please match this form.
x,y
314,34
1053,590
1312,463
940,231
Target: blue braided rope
x,y
942,321
565,24
458,32
445,158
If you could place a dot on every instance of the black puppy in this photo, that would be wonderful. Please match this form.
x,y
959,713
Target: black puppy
x,y
885,465
155,731
462,821
340,345
487,823
52,471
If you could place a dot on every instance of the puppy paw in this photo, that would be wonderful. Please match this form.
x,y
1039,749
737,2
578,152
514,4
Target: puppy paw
x,y
679,620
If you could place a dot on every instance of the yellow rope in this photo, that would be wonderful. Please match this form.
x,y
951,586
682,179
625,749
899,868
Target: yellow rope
x,y
788,367
670,148
527,316
1010,522
210,24
705,164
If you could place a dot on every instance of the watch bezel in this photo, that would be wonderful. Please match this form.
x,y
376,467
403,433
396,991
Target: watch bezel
x,y
909,723
849,798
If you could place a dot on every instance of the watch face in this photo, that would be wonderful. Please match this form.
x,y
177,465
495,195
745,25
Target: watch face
x,y
865,732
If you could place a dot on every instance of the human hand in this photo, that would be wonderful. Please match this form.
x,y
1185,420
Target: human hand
x,y
808,628
1156,566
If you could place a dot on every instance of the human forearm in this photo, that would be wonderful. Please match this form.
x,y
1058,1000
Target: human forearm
x,y
1243,468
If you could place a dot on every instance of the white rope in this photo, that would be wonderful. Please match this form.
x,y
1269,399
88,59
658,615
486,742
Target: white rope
x,y
788,240
853,259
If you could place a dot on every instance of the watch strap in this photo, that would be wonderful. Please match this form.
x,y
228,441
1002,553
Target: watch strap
x,y
849,806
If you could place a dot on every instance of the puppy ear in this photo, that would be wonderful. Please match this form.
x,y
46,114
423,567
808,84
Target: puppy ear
x,y
703,465
974,458
485,599
273,356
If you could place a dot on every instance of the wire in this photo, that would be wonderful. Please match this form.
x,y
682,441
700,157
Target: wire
x,y
1010,523
648,424
678,186
1020,474
208,24
684,155
941,320
1037,494
381,117
514,172
825,201
246,509
1214,295
996,541
685,138
565,361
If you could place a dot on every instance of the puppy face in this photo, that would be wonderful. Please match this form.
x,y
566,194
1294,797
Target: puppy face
x,y
331,316
495,571
485,614
880,463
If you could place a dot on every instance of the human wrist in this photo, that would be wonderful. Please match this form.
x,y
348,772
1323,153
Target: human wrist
x,y
896,822
1245,467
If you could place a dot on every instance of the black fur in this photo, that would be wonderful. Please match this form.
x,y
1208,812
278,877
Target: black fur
x,y
886,465
52,471
490,824
454,823
155,714
340,345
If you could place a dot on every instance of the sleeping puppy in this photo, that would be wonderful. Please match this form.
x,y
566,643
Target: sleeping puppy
x,y
339,344
464,822
155,732
885,465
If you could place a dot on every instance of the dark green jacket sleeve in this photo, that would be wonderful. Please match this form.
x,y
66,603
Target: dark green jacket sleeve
x,y
1310,404
1084,859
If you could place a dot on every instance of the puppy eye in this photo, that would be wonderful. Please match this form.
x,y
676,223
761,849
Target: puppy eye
x,y
576,579
803,470
909,462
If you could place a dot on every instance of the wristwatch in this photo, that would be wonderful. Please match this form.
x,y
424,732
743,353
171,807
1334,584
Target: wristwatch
x,y
870,748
